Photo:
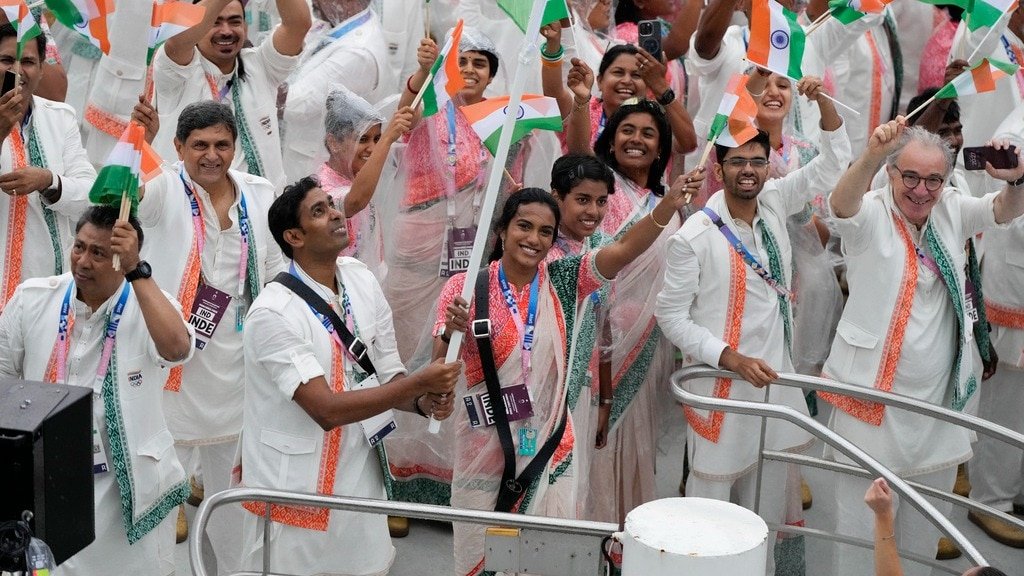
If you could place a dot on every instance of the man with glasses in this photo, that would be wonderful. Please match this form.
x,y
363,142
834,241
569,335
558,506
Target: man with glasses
x,y
907,324
727,301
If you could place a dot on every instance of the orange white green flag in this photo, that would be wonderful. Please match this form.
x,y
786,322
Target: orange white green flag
x,y
987,12
847,11
130,164
22,20
776,39
981,78
86,17
735,124
535,112
446,81
170,19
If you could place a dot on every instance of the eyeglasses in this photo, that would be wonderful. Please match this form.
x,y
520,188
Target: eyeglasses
x,y
741,162
912,179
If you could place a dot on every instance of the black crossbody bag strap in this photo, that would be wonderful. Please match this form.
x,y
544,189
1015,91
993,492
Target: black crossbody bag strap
x,y
511,488
355,346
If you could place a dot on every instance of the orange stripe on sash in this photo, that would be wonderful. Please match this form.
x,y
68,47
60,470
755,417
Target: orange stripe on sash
x,y
1004,315
710,427
872,412
17,217
187,297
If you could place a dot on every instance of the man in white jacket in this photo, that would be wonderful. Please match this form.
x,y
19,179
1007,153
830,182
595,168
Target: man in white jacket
x,y
906,327
726,302
116,333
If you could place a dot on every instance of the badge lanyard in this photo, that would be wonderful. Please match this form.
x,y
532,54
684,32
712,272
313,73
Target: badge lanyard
x,y
219,94
64,337
347,315
244,230
747,256
525,331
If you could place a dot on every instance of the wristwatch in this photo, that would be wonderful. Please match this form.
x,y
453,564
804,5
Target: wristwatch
x,y
667,97
142,270
1016,182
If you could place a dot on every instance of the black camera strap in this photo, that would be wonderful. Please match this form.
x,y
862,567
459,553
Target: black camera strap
x,y
512,487
356,348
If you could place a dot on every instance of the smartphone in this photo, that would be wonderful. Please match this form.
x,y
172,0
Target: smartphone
x,y
10,81
976,156
649,36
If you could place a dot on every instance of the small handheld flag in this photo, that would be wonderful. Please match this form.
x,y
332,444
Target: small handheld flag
x,y
86,17
487,117
848,11
170,19
735,122
776,39
444,80
22,20
978,80
519,11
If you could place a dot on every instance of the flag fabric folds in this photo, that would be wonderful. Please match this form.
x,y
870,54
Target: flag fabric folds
x,y
446,81
985,13
848,11
535,112
169,19
22,20
130,160
519,11
735,123
981,78
776,39
86,17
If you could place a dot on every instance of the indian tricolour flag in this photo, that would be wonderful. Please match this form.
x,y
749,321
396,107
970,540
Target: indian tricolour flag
x,y
987,12
86,17
123,172
734,124
535,112
23,21
519,11
981,78
847,11
776,39
446,81
169,19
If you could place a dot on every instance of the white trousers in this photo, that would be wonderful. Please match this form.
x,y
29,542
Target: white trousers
x,y
742,491
224,530
914,533
997,469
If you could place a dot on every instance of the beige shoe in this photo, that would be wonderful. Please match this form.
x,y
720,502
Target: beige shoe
x,y
963,483
182,527
806,498
998,529
947,550
398,526
195,498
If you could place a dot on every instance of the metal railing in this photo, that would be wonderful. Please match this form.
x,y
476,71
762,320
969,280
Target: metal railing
x,y
595,530
870,468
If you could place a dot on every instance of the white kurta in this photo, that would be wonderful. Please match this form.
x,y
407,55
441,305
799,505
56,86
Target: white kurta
x,y
907,443
28,331
265,69
982,113
208,407
357,60
693,310
282,447
864,80
57,132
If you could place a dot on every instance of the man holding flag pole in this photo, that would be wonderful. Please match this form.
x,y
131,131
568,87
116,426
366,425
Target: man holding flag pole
x,y
44,172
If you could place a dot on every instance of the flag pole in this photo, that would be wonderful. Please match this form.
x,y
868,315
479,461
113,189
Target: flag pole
x,y
423,90
983,39
527,54
838,103
818,23
122,216
922,106
426,19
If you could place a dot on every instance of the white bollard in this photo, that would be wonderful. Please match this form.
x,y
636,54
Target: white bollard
x,y
693,536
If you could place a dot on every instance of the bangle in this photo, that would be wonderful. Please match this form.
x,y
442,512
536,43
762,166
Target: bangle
x,y
408,85
552,57
446,338
579,105
656,223
1016,182
889,537
606,401
416,404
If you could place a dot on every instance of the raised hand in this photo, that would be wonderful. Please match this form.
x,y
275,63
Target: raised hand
x,y
580,80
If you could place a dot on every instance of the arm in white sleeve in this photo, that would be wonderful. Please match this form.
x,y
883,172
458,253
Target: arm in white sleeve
x,y
820,175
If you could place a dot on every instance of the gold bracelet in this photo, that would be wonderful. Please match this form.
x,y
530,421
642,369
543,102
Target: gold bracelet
x,y
651,214
577,105
889,537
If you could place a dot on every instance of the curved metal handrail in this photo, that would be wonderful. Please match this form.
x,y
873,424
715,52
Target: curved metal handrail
x,y
372,506
841,444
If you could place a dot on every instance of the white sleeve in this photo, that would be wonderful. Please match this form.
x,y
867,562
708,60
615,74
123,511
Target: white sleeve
x,y
281,350
672,309
12,337
77,176
386,360
820,175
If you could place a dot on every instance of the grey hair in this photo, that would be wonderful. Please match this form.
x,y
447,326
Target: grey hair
x,y
204,114
926,139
